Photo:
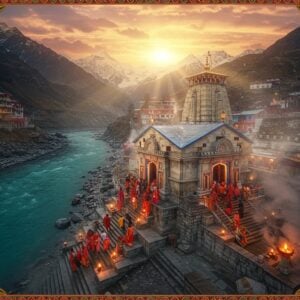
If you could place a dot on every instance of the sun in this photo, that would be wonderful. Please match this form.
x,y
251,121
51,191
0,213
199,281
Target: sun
x,y
161,56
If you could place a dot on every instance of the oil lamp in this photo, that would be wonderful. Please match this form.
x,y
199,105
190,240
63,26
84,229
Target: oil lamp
x,y
223,232
286,252
114,255
111,206
99,267
272,254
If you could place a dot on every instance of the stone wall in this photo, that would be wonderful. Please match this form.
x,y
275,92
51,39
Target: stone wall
x,y
242,262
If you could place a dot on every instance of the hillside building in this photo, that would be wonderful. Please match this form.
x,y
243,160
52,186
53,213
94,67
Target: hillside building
x,y
11,113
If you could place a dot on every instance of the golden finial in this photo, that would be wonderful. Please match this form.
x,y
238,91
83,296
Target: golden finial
x,y
207,66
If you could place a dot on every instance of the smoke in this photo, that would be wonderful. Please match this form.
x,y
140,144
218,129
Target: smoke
x,y
281,207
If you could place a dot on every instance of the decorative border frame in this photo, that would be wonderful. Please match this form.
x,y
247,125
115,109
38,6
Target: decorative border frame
x,y
147,297
111,2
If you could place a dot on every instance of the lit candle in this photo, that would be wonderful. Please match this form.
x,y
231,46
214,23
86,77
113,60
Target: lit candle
x,y
99,267
273,213
223,231
111,206
114,255
138,220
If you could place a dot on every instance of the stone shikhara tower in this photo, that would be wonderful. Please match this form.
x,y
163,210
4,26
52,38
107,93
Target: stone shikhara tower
x,y
206,99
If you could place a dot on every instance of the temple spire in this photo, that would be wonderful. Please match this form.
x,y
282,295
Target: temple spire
x,y
207,66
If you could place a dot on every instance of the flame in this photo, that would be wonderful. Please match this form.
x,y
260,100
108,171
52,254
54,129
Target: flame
x,y
286,249
222,231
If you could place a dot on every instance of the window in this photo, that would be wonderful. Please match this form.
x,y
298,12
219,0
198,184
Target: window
x,y
204,145
168,148
140,144
218,138
199,149
236,138
144,140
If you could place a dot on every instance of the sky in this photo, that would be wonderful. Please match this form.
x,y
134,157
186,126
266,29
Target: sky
x,y
148,35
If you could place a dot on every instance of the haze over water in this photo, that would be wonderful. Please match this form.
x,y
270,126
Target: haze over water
x,y
33,196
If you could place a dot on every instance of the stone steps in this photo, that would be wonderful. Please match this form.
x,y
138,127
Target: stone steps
x,y
169,271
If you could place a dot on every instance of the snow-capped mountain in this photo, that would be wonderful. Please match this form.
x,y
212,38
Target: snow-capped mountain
x,y
250,51
103,66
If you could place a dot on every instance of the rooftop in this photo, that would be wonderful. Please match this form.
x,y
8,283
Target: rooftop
x,y
248,112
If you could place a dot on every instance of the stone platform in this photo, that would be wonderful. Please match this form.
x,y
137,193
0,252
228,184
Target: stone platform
x,y
151,240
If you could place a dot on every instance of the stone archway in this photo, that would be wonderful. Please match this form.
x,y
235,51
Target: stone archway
x,y
220,172
152,172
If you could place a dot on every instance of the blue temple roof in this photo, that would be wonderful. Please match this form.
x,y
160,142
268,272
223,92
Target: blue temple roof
x,y
183,135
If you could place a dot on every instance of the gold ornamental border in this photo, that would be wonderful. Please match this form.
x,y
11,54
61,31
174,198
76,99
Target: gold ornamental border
x,y
111,2
151,297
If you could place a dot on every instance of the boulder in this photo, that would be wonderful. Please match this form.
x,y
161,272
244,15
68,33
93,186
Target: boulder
x,y
76,217
246,285
63,223
76,201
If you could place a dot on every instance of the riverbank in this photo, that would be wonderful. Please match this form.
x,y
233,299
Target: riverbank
x,y
99,185
22,145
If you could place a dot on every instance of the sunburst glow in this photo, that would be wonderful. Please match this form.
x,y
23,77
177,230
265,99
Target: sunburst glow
x,y
162,56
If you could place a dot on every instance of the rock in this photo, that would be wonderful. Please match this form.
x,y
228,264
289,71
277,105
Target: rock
x,y
76,201
246,285
76,217
63,223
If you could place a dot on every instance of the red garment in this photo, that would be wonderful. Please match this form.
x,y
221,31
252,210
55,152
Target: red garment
x,y
230,191
106,244
236,221
106,222
79,254
85,257
228,209
146,207
72,262
128,238
236,192
156,196
120,202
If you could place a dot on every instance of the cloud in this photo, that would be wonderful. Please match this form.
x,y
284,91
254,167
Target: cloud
x,y
63,16
61,45
134,33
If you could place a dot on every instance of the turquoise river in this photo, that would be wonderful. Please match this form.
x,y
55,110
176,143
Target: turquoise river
x,y
34,195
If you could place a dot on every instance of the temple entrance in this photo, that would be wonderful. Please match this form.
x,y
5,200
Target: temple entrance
x,y
152,172
219,173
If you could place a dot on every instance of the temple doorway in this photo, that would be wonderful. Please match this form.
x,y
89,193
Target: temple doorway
x,y
152,172
219,173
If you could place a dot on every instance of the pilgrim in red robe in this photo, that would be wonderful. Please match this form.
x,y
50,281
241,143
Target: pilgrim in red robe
x,y
156,195
90,240
72,261
106,222
146,207
228,209
97,242
230,191
106,244
129,236
85,256
236,221
120,202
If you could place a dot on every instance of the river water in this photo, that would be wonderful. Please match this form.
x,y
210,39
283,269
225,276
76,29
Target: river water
x,y
34,195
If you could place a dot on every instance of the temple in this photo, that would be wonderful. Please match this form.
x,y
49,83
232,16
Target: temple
x,y
206,99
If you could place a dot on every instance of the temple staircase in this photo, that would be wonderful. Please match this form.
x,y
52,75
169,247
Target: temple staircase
x,y
253,227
